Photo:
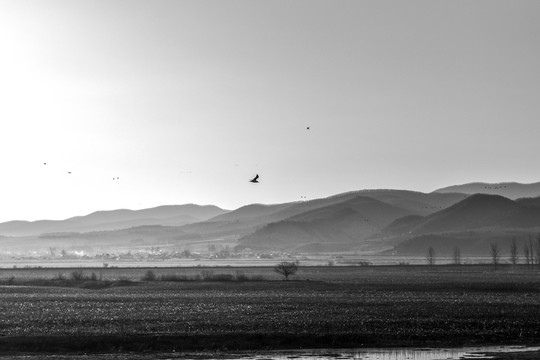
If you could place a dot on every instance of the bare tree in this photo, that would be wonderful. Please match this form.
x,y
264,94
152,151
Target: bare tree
x,y
495,253
531,251
457,256
430,257
514,251
286,269
527,254
537,250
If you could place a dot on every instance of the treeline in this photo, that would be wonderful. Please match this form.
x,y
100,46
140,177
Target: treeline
x,y
528,253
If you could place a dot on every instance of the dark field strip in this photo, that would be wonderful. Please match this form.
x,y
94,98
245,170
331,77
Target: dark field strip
x,y
370,309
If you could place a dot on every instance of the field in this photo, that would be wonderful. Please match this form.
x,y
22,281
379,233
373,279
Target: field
x,y
376,306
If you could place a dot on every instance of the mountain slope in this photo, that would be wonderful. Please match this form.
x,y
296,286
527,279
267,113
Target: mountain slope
x,y
511,190
479,211
169,215
534,201
248,219
345,222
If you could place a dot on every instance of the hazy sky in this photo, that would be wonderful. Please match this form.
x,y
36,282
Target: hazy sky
x,y
185,101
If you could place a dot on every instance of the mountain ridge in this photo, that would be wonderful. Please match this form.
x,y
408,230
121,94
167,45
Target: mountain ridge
x,y
511,190
114,220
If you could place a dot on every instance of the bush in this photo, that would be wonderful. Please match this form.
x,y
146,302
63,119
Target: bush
x,y
222,277
240,276
175,277
149,276
77,275
207,275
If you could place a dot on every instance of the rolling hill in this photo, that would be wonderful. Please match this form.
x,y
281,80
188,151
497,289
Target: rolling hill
x,y
167,215
511,190
471,225
347,222
356,220
479,211
534,201
330,221
248,219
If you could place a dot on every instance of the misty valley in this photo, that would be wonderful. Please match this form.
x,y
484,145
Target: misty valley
x,y
417,273
460,224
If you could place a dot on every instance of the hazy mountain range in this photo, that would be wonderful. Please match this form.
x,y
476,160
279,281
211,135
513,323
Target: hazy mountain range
x,y
511,190
404,222
169,215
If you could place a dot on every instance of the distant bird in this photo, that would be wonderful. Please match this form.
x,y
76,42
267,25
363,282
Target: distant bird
x,y
307,128
255,179
44,163
69,172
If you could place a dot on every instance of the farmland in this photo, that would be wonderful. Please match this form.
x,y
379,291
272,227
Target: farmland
x,y
321,307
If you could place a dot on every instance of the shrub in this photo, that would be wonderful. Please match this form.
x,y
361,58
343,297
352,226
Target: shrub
x,y
149,276
222,277
240,276
207,275
77,275
175,277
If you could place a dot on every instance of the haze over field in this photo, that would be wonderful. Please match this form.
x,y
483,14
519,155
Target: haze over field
x,y
361,222
135,104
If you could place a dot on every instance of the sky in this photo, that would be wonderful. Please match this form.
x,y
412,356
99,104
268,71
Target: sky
x,y
108,104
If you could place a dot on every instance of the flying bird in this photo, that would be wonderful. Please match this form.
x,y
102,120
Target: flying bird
x,y
307,128
255,179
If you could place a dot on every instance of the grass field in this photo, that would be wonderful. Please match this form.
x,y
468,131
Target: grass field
x,y
322,307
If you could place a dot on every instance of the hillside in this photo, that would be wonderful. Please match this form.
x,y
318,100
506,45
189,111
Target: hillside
x,y
479,211
471,225
346,222
534,201
417,202
247,219
168,215
357,220
511,190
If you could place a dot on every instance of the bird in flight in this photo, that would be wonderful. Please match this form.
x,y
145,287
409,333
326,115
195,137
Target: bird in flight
x,y
255,179
307,128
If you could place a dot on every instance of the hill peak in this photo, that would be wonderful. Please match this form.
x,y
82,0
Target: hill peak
x,y
511,190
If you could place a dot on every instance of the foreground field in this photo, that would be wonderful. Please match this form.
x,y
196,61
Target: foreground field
x,y
336,307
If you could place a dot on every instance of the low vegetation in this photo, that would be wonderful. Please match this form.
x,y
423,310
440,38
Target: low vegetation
x,y
76,278
345,307
205,275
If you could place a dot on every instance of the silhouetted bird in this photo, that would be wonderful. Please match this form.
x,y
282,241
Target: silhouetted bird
x,y
307,128
255,179
44,163
69,172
